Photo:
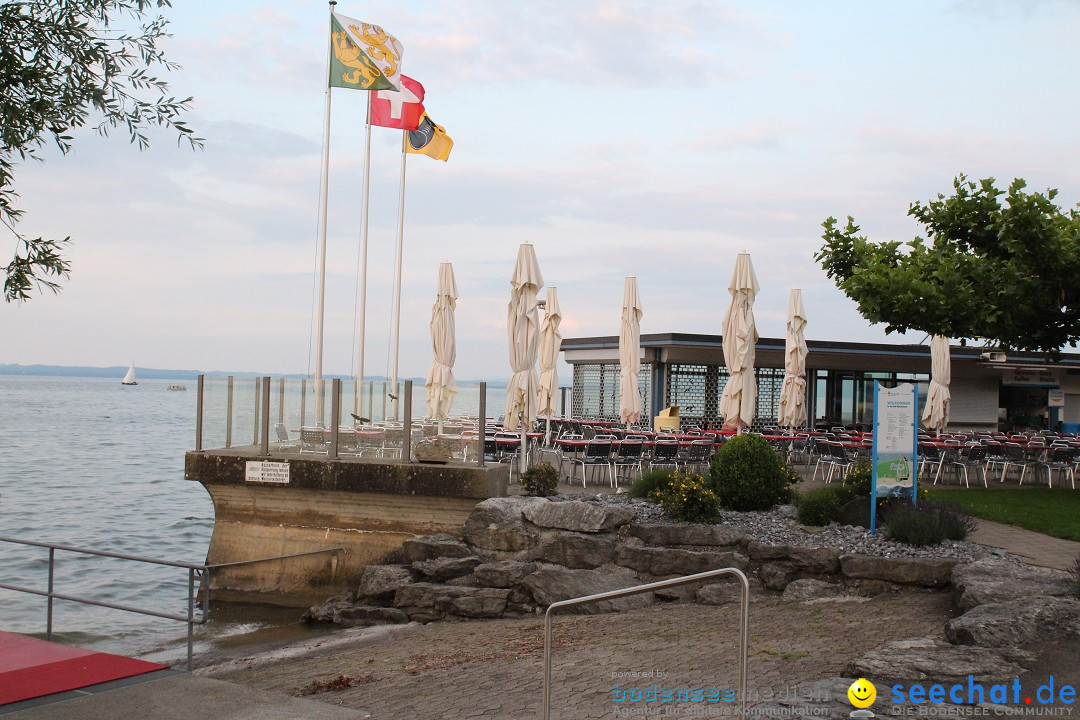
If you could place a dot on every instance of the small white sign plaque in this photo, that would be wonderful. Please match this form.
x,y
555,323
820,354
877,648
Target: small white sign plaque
x,y
267,472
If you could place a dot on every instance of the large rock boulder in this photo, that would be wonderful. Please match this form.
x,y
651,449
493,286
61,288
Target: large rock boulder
x,y
577,550
378,583
366,615
817,560
725,592
813,590
687,534
551,584
676,561
578,516
1017,623
498,524
925,572
426,602
443,569
324,612
926,659
502,574
778,575
992,580
429,547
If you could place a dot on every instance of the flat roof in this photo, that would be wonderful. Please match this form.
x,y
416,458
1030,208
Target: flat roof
x,y
832,347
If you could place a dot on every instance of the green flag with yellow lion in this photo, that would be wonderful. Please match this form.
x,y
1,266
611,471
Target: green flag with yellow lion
x,y
363,56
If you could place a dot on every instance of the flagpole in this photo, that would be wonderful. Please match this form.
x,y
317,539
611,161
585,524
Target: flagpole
x,y
322,227
397,278
363,260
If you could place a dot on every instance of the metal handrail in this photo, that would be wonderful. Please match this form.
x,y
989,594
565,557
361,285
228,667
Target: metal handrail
x,y
744,624
194,569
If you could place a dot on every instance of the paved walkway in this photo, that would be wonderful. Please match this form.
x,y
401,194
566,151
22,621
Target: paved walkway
x,y
1035,548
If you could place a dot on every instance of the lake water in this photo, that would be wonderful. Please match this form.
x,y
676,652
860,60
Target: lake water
x,y
90,463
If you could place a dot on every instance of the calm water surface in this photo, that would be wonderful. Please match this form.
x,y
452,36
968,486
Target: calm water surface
x,y
90,463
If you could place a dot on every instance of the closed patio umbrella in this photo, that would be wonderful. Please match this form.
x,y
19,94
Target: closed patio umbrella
x,y
550,344
738,401
440,380
630,353
792,412
936,414
523,333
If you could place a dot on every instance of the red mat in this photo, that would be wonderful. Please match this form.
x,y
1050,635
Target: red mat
x,y
31,668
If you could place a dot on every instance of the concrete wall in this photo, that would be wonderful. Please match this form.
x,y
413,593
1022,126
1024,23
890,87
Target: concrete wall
x,y
368,508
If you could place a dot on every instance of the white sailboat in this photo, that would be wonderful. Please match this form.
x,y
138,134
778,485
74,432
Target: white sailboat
x,y
129,379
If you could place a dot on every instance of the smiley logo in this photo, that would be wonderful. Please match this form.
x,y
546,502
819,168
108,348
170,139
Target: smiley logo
x,y
862,693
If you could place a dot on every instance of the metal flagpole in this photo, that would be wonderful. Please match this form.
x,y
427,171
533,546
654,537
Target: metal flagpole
x,y
322,228
397,279
363,261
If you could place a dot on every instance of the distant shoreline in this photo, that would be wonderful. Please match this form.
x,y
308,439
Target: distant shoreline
x,y
117,371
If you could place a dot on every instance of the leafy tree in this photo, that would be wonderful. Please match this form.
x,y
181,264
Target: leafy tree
x,y
1005,272
61,63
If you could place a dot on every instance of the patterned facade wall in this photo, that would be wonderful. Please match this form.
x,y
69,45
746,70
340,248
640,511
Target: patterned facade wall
x,y
597,387
695,389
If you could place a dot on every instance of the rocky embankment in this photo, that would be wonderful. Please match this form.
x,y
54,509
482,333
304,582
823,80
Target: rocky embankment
x,y
520,554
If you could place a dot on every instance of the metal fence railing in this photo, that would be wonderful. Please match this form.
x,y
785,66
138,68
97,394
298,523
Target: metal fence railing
x,y
744,624
195,572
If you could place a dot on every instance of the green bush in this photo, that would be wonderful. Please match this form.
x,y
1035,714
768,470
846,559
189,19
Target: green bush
x,y
687,497
926,523
747,474
649,483
820,506
858,480
540,480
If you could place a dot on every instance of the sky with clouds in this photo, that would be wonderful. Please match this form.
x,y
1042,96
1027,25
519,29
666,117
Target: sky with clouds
x,y
620,138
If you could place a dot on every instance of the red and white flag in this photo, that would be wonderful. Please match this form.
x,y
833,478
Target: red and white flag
x,y
401,110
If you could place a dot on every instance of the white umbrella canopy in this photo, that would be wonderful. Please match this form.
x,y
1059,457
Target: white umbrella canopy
x,y
630,353
936,414
441,387
792,412
550,344
737,404
523,333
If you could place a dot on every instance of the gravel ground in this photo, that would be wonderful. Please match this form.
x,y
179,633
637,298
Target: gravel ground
x,y
779,527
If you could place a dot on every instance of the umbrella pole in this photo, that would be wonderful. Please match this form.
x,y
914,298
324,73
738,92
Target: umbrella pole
x,y
523,459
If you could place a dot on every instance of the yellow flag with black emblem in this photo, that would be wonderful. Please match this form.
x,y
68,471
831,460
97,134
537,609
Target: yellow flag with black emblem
x,y
363,56
429,139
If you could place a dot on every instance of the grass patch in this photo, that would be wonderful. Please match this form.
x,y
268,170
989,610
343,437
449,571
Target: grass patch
x,y
1054,512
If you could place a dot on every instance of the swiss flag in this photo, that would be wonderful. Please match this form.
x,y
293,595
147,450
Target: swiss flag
x,y
401,110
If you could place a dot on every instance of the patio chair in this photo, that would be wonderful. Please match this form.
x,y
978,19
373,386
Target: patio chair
x,y
1061,459
1015,457
965,458
838,460
284,442
370,440
567,453
698,455
597,453
628,455
665,454
930,458
347,441
393,442
995,456
313,440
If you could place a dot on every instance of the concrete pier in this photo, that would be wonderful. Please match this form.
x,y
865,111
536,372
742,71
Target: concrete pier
x,y
283,504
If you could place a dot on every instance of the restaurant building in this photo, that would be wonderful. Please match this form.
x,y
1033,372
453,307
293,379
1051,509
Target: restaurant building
x,y
990,390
